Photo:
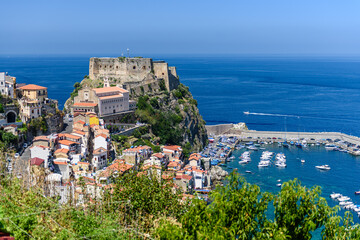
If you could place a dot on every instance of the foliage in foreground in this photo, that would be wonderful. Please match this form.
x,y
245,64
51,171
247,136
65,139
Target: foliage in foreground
x,y
141,207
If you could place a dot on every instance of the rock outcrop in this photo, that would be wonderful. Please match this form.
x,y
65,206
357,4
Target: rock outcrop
x,y
217,174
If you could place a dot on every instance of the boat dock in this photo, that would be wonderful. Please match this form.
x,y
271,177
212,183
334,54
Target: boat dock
x,y
341,140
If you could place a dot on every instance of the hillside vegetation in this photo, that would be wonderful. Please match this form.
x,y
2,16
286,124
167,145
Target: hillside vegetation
x,y
139,207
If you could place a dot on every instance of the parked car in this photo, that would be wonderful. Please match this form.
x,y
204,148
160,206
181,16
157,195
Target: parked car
x,y
25,145
17,155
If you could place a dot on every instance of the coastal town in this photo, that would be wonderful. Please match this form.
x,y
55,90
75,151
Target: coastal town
x,y
79,157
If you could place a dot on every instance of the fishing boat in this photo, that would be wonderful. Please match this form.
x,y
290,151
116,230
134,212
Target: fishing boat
x,y
279,184
357,192
247,171
297,144
323,167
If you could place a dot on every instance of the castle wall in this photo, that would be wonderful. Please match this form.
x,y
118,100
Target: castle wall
x,y
133,72
117,68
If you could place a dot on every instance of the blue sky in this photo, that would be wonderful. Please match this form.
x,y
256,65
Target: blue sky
x,y
321,27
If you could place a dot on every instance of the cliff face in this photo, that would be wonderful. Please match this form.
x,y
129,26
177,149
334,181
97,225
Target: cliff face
x,y
174,117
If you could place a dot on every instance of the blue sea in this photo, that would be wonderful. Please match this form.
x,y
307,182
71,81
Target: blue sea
x,y
281,93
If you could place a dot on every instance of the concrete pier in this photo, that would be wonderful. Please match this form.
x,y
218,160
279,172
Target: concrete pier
x,y
278,136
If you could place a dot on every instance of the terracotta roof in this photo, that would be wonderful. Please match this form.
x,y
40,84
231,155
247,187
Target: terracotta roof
x,y
32,87
108,90
60,162
79,132
85,104
158,155
173,164
36,161
172,148
44,138
195,156
81,122
85,163
99,150
137,149
67,142
62,150
118,165
101,135
112,96
67,135
40,146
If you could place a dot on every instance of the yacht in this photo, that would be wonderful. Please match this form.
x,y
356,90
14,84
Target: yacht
x,y
330,147
323,167
335,195
343,198
252,148
264,163
244,161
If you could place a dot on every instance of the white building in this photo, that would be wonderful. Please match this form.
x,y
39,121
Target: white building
x,y
99,159
40,152
100,141
7,84
112,100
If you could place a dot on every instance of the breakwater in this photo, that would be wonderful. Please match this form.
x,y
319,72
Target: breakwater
x,y
345,141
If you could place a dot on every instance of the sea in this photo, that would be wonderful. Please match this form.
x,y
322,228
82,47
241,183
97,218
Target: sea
x,y
282,93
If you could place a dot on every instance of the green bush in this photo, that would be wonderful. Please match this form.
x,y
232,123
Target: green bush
x,y
1,108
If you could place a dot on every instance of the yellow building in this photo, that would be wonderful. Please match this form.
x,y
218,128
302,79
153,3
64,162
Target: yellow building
x,y
34,92
33,97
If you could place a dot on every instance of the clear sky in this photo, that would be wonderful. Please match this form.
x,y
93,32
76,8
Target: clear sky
x,y
319,27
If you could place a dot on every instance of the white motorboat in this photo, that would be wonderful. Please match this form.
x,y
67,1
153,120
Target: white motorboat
x,y
247,113
335,195
343,198
330,147
264,164
323,167
244,161
280,164
302,160
345,203
279,184
252,148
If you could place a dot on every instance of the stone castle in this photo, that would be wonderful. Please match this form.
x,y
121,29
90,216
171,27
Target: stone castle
x,y
130,73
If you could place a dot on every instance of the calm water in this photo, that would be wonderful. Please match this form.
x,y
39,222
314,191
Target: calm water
x,y
342,178
316,94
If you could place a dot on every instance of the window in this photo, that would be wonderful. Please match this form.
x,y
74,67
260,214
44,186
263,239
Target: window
x,y
134,67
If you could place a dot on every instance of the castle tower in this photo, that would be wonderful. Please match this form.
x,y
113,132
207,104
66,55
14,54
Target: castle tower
x,y
106,82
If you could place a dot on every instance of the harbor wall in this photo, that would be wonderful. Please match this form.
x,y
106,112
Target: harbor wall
x,y
250,135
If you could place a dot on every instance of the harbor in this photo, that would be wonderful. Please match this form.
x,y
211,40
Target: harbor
x,y
341,141
268,159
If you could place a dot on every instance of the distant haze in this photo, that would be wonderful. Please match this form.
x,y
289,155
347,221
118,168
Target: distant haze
x,y
322,27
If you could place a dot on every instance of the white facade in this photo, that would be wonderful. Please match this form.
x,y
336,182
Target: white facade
x,y
199,178
40,152
100,141
112,100
7,85
99,158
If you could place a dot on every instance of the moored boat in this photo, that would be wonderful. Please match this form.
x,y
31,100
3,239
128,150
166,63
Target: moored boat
x,y
323,167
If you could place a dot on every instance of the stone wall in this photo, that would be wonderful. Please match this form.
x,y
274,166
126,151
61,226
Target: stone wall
x,y
132,72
